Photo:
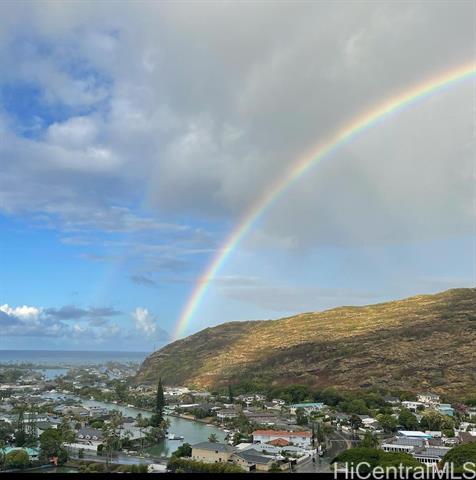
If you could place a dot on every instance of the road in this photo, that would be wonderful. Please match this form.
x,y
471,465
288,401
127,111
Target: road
x,y
338,443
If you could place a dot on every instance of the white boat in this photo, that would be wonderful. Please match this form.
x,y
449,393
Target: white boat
x,y
172,436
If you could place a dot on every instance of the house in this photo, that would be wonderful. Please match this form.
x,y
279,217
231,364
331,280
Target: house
x,y
414,434
307,407
88,433
403,444
430,455
226,414
253,460
279,442
302,438
445,409
391,400
368,422
32,417
428,399
96,410
211,452
272,406
413,406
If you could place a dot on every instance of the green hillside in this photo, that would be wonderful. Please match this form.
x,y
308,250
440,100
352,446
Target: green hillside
x,y
426,341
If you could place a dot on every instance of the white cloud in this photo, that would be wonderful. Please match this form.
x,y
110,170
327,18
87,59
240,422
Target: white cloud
x,y
25,313
74,132
144,321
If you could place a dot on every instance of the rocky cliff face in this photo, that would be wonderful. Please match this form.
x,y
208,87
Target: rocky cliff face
x,y
427,341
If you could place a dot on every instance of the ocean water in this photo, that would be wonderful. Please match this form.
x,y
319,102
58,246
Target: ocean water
x,y
70,357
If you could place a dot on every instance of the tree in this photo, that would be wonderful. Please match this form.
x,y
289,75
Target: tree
x,y
2,454
274,468
407,419
182,465
185,450
433,420
110,441
17,459
141,423
369,440
213,438
375,457
20,434
230,394
301,417
52,444
388,422
158,416
461,454
355,422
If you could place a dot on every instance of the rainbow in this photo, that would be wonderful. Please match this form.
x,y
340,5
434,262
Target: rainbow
x,y
346,134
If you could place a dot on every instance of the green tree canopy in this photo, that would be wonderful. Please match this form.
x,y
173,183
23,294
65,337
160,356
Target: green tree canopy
x,y
185,450
407,419
375,457
17,459
433,420
52,445
461,454
369,440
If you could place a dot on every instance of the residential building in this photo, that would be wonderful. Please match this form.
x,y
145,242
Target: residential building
x,y
226,414
403,444
445,409
252,460
430,455
414,434
210,452
88,433
413,406
428,398
307,407
302,438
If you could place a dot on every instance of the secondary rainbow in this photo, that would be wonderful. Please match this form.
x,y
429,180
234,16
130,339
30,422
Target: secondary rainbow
x,y
301,166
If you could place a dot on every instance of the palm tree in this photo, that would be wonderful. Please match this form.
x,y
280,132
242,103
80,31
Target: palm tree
x,y
141,423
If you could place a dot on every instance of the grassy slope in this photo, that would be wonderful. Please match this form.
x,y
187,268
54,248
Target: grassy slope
x,y
420,342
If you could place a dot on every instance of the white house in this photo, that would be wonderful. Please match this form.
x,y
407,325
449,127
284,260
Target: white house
x,y
307,407
428,398
302,438
413,406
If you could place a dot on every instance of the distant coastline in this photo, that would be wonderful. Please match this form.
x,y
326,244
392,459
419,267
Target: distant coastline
x,y
70,357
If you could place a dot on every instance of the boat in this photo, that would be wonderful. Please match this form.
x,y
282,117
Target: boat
x,y
172,436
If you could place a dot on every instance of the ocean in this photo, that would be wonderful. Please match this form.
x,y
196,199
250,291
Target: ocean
x,y
69,357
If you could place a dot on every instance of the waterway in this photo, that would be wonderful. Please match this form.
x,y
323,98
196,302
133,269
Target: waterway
x,y
191,430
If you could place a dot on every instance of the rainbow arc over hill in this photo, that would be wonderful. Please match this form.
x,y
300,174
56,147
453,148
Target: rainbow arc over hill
x,y
298,168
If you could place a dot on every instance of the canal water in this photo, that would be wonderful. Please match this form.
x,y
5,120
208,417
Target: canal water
x,y
191,430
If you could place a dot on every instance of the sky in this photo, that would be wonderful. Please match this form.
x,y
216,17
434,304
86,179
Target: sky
x,y
134,136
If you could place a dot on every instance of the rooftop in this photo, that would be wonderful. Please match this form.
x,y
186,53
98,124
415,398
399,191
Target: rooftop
x,y
282,433
214,447
253,456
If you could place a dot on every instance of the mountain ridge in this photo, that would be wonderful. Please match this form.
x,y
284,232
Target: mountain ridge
x,y
424,341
